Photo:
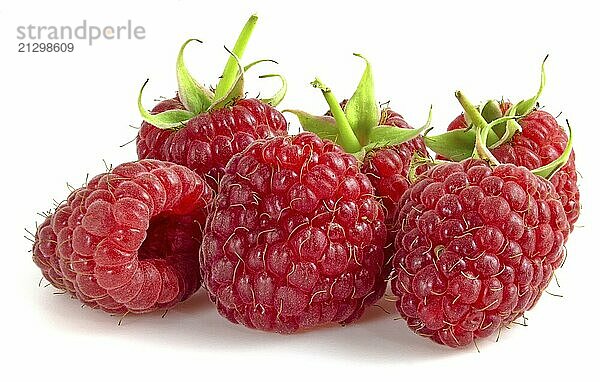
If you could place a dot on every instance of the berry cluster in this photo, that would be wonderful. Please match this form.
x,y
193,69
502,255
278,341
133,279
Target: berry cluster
x,y
287,233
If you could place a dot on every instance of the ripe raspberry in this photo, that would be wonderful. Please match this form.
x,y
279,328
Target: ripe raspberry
x,y
209,140
202,129
540,141
475,249
128,241
295,239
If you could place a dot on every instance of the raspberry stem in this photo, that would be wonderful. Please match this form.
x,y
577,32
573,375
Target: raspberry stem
x,y
280,94
231,68
482,129
347,138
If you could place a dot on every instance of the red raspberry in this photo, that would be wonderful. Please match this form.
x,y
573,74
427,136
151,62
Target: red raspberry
x,y
295,239
475,249
387,167
201,128
209,140
540,142
128,241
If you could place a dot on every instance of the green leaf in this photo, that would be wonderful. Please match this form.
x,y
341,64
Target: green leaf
x,y
322,125
168,120
280,94
235,92
230,73
195,97
361,109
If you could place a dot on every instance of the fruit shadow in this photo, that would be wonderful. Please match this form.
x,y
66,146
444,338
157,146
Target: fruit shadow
x,y
379,336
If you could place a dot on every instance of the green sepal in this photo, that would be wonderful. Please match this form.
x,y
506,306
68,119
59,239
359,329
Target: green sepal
x,y
235,92
230,72
168,120
250,65
509,128
385,135
491,110
481,127
360,155
194,96
417,160
279,94
322,125
455,145
362,110
459,144
551,168
524,107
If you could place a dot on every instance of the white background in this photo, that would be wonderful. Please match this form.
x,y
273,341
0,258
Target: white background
x,y
62,114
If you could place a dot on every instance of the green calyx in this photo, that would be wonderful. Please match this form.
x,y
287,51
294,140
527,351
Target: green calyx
x,y
197,99
460,144
481,128
356,126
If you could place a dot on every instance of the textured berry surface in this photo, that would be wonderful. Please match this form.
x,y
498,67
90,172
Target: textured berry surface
x,y
475,249
209,140
541,141
128,241
295,239
387,168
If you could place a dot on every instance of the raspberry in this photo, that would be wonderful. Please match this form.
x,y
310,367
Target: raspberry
x,y
475,249
387,167
127,241
295,239
209,140
540,142
201,128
